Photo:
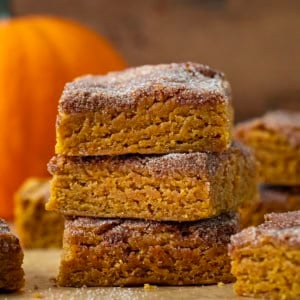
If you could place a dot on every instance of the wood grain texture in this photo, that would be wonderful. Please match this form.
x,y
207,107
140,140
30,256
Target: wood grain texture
x,y
41,267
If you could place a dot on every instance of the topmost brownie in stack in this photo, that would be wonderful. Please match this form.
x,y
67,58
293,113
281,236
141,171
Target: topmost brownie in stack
x,y
148,110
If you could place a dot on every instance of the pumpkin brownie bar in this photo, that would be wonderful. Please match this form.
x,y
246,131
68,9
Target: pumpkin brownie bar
x,y
168,108
276,199
275,139
117,252
178,187
36,227
11,259
266,259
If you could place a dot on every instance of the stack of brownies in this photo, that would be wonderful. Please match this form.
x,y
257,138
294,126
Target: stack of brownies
x,y
275,141
148,178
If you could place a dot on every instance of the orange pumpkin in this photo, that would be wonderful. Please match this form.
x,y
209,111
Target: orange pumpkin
x,y
38,55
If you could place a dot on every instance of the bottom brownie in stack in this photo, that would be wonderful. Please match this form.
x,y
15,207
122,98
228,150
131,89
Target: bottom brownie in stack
x,y
120,252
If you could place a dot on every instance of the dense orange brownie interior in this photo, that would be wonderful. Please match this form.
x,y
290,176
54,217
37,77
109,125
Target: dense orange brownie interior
x,y
148,110
178,187
117,252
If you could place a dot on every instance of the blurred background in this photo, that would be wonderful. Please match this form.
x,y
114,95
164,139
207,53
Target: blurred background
x,y
256,43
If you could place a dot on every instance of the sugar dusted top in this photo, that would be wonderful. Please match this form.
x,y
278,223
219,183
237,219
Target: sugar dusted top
x,y
8,242
194,164
279,228
198,164
188,82
282,220
212,231
284,122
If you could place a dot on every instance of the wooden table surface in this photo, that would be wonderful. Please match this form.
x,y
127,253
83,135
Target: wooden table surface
x,y
41,267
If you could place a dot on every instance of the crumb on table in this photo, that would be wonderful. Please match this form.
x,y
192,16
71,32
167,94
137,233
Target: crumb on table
x,y
148,286
37,295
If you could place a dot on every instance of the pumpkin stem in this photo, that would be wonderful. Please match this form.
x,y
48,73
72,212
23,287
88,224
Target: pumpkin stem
x,y
5,9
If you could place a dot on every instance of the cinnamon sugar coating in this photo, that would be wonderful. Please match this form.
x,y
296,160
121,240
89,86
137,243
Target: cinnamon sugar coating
x,y
201,164
283,122
191,82
100,252
283,221
183,107
11,259
282,228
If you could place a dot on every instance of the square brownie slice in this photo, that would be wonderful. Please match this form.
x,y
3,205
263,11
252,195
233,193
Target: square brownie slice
x,y
11,259
179,107
275,140
118,252
176,187
266,259
37,227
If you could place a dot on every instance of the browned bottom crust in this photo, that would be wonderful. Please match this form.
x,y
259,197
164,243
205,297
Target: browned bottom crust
x,y
11,259
119,252
271,199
